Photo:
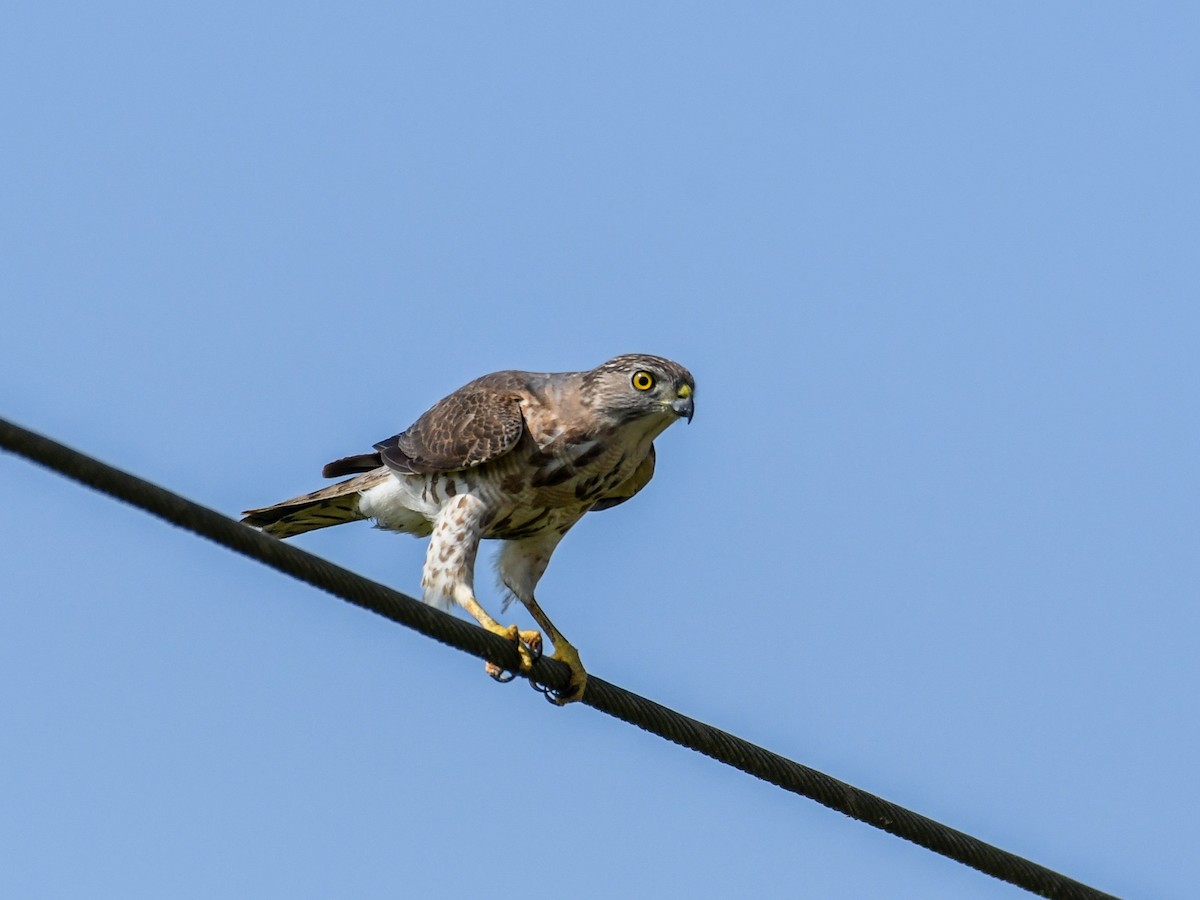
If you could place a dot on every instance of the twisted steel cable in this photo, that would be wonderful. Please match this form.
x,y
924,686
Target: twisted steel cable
x,y
548,673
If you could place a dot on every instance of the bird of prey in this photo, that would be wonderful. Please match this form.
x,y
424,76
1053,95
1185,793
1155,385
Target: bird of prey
x,y
515,456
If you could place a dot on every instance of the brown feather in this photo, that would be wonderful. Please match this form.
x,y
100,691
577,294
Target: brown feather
x,y
627,489
351,465
476,424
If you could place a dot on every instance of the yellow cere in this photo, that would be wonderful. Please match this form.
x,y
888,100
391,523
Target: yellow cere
x,y
685,391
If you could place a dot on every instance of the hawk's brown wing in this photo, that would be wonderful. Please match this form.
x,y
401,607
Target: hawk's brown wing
x,y
626,489
474,425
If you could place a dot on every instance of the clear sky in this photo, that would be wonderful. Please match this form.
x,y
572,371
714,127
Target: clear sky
x,y
933,531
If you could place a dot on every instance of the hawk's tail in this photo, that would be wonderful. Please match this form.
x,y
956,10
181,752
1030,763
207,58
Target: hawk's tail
x,y
334,505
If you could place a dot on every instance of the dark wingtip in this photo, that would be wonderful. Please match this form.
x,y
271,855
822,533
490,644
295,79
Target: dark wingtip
x,y
352,465
399,461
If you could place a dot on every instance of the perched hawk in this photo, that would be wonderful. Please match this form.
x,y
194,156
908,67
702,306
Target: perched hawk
x,y
517,456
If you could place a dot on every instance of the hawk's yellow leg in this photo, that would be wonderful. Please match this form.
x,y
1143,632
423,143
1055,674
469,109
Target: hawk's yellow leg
x,y
529,643
564,652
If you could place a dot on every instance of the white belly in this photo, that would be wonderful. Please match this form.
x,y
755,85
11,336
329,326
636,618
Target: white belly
x,y
397,504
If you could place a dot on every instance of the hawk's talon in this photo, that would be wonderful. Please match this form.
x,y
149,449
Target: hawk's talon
x,y
546,691
532,640
499,674
558,698
551,695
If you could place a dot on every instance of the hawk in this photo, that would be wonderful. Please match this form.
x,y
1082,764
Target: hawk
x,y
514,456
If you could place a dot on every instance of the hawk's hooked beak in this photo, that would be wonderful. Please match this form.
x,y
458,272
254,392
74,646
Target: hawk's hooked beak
x,y
683,404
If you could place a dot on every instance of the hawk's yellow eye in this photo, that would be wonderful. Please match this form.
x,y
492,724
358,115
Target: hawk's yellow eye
x,y
643,381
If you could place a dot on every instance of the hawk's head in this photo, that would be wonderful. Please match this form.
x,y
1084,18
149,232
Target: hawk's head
x,y
638,385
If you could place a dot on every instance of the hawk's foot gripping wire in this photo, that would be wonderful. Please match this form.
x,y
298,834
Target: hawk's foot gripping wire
x,y
529,645
566,653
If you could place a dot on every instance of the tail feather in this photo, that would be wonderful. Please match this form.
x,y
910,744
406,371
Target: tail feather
x,y
334,505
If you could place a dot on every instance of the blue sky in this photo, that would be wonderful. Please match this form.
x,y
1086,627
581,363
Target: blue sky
x,y
933,530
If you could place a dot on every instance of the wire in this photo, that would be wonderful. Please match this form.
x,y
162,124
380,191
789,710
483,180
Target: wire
x,y
601,695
